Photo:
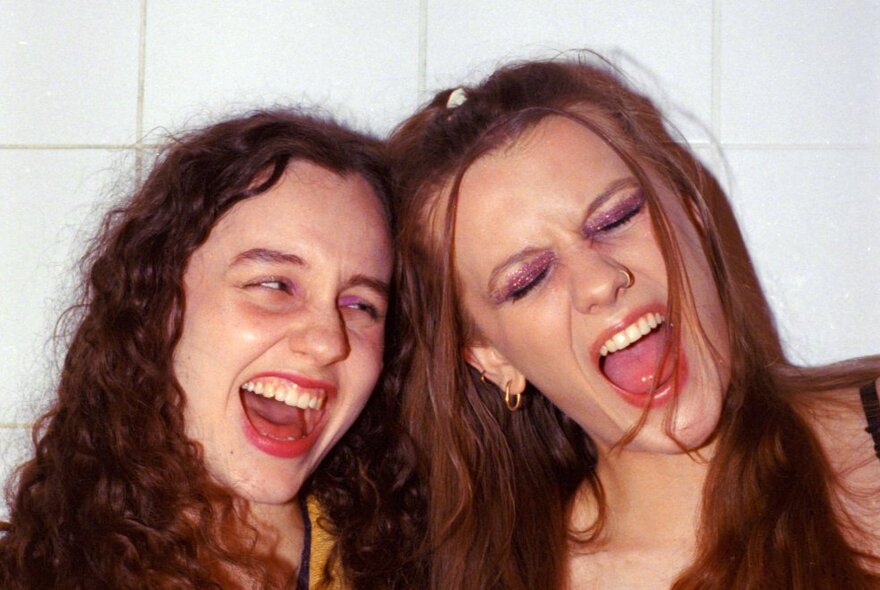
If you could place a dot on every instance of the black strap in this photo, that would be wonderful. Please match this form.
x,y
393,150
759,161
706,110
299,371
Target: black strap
x,y
302,579
871,404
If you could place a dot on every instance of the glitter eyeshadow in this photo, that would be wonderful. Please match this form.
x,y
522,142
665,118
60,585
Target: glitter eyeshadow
x,y
620,212
523,276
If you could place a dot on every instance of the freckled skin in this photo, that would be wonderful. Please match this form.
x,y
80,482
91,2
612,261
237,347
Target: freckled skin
x,y
249,317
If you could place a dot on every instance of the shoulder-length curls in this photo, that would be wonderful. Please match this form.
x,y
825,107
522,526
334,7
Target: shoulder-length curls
x,y
116,495
502,484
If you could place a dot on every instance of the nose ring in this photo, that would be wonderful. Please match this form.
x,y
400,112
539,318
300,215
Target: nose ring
x,y
630,279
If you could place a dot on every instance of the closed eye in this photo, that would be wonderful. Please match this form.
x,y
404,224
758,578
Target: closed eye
x,y
526,278
531,282
619,216
622,220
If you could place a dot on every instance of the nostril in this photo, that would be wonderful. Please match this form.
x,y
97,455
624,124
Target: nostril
x,y
327,342
597,281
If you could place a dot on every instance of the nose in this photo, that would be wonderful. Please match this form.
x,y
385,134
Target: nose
x,y
322,337
595,281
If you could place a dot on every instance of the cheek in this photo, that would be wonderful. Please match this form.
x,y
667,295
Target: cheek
x,y
365,362
235,327
217,341
643,254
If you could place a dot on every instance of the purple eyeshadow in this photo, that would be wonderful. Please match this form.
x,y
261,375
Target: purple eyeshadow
x,y
619,213
350,300
525,275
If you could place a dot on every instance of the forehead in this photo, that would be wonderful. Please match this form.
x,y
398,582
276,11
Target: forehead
x,y
549,160
314,212
551,171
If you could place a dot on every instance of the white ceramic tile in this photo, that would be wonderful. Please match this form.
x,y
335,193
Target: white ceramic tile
x,y
800,71
47,211
15,448
812,219
68,72
664,46
204,58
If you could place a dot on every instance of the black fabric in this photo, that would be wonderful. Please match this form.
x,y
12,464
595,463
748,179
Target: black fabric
x,y
871,404
302,579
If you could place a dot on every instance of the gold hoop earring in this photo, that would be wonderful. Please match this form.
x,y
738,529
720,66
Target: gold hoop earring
x,y
630,279
517,399
483,379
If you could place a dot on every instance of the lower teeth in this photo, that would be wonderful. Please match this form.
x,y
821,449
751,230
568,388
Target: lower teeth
x,y
283,438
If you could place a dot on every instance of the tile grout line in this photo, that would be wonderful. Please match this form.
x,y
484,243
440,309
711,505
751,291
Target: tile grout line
x,y
423,49
800,146
139,122
716,82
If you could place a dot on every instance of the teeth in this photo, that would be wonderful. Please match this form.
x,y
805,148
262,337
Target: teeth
x,y
290,398
632,333
288,393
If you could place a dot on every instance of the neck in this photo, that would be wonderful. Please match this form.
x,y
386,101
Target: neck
x,y
281,530
653,499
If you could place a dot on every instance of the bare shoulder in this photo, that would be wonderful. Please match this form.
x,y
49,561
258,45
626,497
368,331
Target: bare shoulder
x,y
839,421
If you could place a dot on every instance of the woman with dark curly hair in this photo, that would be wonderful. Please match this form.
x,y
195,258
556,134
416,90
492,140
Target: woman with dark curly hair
x,y
592,368
230,332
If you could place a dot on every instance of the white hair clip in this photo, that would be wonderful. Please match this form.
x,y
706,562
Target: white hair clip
x,y
456,98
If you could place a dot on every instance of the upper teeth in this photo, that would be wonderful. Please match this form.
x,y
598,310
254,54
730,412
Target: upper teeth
x,y
288,393
632,333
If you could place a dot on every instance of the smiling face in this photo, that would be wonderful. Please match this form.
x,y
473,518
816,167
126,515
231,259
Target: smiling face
x,y
564,279
283,331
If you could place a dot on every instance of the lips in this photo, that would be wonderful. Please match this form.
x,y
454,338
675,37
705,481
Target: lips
x,y
283,416
630,359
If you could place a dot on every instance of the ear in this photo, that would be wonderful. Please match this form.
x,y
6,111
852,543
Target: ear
x,y
495,367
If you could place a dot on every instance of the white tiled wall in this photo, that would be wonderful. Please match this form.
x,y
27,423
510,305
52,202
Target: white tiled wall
x,y
789,89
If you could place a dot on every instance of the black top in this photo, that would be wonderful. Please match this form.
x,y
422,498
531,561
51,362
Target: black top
x,y
871,404
302,579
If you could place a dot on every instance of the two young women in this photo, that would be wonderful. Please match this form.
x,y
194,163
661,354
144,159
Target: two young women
x,y
586,366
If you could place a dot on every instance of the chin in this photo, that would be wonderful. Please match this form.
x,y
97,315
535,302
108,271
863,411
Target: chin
x,y
696,434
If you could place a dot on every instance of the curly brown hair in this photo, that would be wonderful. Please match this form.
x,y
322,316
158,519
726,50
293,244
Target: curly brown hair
x,y
116,495
502,485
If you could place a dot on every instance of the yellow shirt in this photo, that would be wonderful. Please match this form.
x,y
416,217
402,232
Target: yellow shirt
x,y
322,543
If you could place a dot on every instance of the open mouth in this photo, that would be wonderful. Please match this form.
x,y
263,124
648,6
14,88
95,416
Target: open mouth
x,y
631,358
280,410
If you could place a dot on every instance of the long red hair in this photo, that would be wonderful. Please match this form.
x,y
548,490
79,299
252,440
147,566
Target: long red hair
x,y
502,485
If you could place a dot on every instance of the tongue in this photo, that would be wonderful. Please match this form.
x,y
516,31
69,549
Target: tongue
x,y
632,369
273,418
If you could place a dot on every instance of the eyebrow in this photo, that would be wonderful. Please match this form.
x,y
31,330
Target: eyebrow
x,y
266,255
614,187
360,280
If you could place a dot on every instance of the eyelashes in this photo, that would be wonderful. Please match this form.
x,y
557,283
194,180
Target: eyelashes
x,y
619,215
528,277
534,272
359,304
280,293
274,284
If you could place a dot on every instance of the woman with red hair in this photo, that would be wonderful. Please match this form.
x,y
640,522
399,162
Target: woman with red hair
x,y
593,370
